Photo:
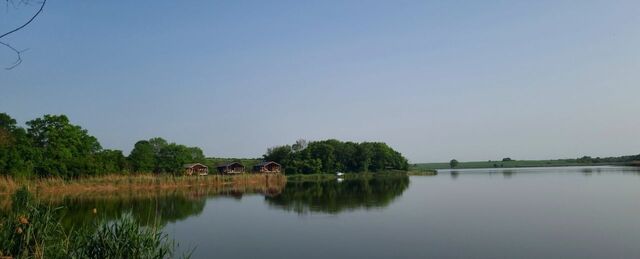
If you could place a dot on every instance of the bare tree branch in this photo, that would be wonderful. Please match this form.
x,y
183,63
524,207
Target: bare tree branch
x,y
28,22
19,52
18,56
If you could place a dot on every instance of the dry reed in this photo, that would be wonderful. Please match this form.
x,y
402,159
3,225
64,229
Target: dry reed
x,y
142,182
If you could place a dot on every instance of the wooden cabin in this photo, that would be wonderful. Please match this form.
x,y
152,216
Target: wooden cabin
x,y
196,168
231,168
267,167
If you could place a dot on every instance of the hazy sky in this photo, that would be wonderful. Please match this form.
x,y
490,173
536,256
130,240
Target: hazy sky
x,y
472,80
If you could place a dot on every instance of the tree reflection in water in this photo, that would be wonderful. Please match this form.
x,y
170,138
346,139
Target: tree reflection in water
x,y
333,197
149,206
162,206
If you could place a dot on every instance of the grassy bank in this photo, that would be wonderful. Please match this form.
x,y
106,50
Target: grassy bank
x,y
32,229
139,182
506,164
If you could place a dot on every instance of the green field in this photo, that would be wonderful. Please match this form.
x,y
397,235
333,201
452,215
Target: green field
x,y
509,164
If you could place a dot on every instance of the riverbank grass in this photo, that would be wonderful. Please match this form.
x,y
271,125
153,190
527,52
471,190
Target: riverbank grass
x,y
112,183
34,230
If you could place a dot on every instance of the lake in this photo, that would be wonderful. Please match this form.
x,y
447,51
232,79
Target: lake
x,y
569,212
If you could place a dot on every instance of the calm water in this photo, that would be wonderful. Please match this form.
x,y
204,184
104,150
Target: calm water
x,y
573,212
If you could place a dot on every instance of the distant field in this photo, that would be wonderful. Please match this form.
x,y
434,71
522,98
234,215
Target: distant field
x,y
507,164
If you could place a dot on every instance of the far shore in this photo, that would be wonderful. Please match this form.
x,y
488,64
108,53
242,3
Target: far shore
x,y
514,164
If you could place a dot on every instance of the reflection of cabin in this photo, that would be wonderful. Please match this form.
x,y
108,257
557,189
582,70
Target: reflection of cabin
x,y
197,168
267,167
231,168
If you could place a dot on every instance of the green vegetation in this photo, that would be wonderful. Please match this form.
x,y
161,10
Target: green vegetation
x,y
509,163
453,163
53,147
329,156
109,184
34,230
158,156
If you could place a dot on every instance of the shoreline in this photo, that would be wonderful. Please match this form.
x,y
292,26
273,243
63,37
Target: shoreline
x,y
113,183
139,182
510,164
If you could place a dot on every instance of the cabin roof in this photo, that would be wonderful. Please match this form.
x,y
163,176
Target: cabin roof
x,y
192,165
230,164
266,163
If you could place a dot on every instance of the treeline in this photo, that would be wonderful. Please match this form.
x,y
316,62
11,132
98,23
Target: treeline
x,y
159,156
613,160
330,156
52,146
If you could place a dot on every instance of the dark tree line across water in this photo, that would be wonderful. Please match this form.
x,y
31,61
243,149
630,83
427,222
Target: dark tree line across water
x,y
333,155
335,197
598,160
53,146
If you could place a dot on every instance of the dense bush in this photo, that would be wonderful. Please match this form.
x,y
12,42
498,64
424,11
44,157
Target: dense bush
x,y
332,155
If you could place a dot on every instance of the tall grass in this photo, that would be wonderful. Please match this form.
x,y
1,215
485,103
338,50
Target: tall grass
x,y
124,238
33,230
114,183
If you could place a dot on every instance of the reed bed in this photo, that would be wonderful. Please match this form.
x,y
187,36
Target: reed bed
x,y
31,229
140,182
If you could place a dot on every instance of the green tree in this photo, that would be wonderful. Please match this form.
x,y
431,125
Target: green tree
x,y
16,152
453,163
111,161
64,149
173,156
325,153
332,155
279,154
142,157
158,155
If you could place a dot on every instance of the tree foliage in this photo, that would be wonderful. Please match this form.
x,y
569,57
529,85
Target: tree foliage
x,y
158,155
453,163
332,155
53,146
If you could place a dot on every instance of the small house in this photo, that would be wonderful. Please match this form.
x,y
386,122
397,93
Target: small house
x,y
267,167
231,168
196,168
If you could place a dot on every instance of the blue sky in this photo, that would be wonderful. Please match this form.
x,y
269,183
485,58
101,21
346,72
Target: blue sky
x,y
471,80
